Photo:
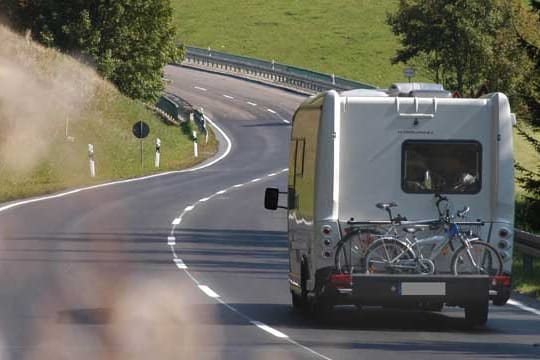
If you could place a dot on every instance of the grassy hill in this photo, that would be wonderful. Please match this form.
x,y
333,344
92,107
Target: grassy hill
x,y
52,107
349,38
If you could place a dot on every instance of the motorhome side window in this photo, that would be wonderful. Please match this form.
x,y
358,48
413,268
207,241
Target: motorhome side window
x,y
447,167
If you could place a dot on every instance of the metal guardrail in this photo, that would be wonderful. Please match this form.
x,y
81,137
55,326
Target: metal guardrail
x,y
168,106
287,76
529,246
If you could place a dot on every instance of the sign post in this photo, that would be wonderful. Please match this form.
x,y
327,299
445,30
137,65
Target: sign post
x,y
141,130
409,73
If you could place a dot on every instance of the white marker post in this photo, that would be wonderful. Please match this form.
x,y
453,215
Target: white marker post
x,y
158,152
91,160
195,146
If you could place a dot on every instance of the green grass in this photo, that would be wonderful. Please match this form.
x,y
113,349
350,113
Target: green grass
x,y
42,90
348,38
528,284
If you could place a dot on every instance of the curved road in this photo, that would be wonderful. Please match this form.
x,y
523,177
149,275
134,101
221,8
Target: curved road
x,y
190,266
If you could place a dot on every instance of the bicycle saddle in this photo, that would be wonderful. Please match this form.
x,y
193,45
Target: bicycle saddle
x,y
385,206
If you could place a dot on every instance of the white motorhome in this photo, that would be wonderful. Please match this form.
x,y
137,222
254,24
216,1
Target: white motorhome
x,y
354,149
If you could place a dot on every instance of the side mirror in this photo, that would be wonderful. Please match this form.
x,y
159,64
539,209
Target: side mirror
x,y
271,197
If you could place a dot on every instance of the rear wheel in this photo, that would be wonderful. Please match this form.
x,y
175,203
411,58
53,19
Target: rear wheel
x,y
479,259
477,314
389,255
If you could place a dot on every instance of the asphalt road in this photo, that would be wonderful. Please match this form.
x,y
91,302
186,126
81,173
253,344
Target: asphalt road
x,y
190,265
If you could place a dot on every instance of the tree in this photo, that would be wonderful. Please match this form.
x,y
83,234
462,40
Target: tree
x,y
464,43
128,41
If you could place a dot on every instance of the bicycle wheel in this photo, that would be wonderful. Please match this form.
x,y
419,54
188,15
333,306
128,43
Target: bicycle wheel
x,y
480,259
350,253
389,255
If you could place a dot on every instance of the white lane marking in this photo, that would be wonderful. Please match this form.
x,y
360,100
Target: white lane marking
x,y
286,121
228,96
221,192
284,170
272,174
71,192
189,208
171,240
268,329
176,221
271,111
251,103
180,264
214,295
523,307
255,180
200,88
204,199
209,292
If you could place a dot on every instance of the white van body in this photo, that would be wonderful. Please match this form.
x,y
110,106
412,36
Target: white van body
x,y
351,150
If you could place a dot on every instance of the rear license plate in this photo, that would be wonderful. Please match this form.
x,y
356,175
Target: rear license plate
x,y
423,288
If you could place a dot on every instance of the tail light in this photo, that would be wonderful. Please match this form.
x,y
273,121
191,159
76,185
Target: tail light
x,y
501,281
341,281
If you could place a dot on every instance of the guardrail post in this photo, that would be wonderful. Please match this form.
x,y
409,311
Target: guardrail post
x,y
91,160
527,264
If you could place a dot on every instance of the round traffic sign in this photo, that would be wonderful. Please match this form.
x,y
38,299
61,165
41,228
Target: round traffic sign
x,y
141,129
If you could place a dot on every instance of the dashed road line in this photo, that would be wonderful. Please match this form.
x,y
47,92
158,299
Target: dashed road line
x,y
251,103
176,221
209,292
200,88
228,96
171,240
204,199
271,111
268,329
189,208
212,294
286,121
221,192
180,264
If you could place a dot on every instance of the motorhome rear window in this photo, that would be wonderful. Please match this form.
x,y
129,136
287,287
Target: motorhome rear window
x,y
445,167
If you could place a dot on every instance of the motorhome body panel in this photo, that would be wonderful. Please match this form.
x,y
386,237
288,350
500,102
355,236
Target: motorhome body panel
x,y
371,147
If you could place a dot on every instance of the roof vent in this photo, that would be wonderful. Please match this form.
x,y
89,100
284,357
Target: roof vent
x,y
418,90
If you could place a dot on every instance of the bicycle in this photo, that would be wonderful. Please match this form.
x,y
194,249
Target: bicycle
x,y
396,255
389,253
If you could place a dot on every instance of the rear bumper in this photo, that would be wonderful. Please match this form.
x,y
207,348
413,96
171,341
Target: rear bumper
x,y
398,290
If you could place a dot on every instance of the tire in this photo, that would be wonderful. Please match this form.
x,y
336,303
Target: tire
x,y
477,314
485,255
382,252
298,302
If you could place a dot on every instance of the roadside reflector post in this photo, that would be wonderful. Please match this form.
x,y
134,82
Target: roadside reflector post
x,y
195,146
158,152
333,79
91,160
